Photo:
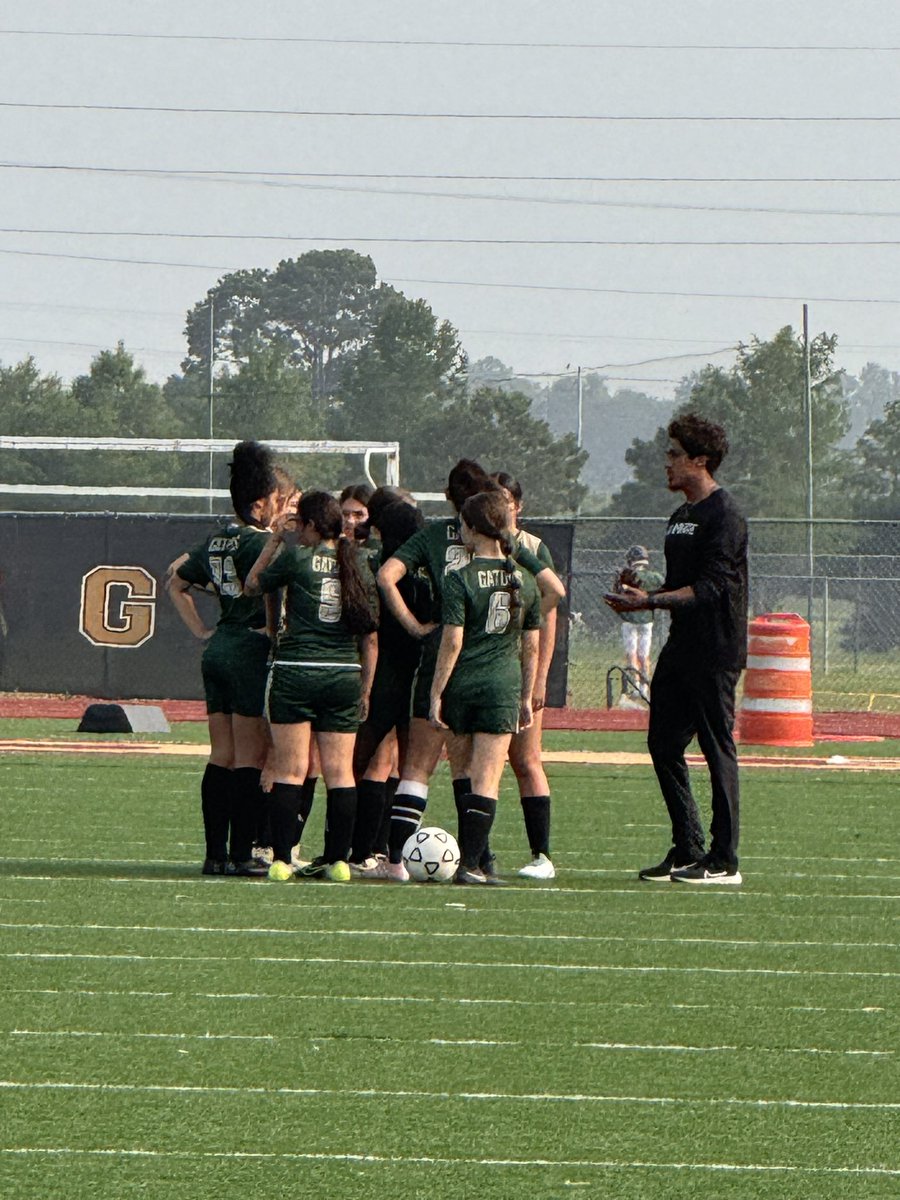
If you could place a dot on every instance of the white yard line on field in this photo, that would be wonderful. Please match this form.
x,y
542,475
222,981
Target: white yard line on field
x,y
427,1160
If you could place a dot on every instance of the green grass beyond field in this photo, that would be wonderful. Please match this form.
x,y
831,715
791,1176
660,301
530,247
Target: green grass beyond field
x,y
177,1037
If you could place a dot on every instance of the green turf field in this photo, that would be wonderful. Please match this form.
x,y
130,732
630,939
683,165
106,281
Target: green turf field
x,y
171,1036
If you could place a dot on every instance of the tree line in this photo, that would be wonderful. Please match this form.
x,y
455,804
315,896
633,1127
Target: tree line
x,y
319,347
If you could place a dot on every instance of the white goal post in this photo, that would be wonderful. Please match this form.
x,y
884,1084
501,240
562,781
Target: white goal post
x,y
205,446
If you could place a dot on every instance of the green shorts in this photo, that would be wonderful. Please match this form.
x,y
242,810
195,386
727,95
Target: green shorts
x,y
234,671
326,697
421,700
481,705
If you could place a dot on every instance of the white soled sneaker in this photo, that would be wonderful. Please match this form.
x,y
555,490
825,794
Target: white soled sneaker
x,y
539,868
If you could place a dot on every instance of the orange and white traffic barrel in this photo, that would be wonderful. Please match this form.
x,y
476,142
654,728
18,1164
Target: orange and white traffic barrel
x,y
776,709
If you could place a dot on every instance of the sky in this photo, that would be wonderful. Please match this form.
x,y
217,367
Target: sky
x,y
575,184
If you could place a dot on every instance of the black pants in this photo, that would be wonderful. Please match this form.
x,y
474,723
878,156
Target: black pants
x,y
686,701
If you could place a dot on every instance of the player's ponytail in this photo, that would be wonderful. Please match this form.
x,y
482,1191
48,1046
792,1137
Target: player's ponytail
x,y
488,514
252,477
323,511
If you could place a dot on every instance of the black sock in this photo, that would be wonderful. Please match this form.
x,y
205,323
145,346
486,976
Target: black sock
x,y
285,805
406,817
384,829
246,803
371,801
461,789
215,804
536,811
477,818
340,815
308,794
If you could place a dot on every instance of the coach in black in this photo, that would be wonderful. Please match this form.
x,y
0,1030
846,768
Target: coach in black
x,y
693,687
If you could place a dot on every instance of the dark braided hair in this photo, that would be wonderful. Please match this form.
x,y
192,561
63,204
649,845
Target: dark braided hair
x,y
466,479
321,510
252,477
487,513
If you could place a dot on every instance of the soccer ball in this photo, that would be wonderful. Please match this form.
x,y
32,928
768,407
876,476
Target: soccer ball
x,y
431,855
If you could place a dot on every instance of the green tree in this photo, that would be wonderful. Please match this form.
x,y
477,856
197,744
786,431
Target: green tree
x,y
497,428
315,310
868,397
398,385
760,402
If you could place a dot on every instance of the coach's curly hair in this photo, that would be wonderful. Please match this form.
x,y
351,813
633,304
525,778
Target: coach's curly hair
x,y
699,436
357,609
253,477
487,513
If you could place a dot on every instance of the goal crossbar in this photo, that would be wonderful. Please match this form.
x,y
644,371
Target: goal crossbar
x,y
208,446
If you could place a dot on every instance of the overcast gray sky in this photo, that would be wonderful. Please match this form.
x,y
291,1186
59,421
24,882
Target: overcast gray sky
x,y
560,243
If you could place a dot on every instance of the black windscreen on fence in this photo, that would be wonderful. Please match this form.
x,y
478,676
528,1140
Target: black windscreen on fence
x,y
82,609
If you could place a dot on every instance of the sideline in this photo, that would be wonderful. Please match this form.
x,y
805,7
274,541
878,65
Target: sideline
x,y
614,758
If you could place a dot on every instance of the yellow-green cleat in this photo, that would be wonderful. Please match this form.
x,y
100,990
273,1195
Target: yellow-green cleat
x,y
280,872
338,872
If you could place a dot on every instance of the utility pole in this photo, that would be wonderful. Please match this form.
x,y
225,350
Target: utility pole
x,y
211,390
807,398
579,426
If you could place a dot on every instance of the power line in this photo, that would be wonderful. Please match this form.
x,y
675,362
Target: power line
x,y
450,241
190,173
499,197
480,283
549,287
459,44
595,118
142,262
91,345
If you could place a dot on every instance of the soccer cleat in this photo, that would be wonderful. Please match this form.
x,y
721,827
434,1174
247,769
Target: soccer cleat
x,y
313,870
263,854
662,872
214,866
251,868
488,866
539,868
280,872
367,868
468,875
395,872
707,872
338,872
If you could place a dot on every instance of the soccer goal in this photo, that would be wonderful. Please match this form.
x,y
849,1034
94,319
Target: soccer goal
x,y
205,450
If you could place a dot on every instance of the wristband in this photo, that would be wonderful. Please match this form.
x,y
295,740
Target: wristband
x,y
651,602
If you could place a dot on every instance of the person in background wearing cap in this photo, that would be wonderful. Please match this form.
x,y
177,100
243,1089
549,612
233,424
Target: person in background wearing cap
x,y
637,627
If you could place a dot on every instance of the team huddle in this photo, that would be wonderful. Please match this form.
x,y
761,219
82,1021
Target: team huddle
x,y
355,642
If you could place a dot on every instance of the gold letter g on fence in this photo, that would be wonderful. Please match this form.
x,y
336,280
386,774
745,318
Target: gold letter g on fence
x,y
118,606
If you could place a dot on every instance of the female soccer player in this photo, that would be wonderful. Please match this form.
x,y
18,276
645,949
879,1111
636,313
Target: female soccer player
x,y
438,550
354,501
525,747
234,662
485,673
382,737
321,677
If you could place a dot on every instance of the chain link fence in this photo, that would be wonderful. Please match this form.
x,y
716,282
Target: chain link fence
x,y
841,576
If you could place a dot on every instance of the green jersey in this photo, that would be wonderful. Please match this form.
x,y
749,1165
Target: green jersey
x,y
476,596
224,560
438,549
316,633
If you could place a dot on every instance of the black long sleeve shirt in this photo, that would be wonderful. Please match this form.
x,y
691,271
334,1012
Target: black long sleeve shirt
x,y
706,549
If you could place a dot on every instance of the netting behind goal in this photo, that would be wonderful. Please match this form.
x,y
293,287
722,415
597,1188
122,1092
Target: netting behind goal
x,y
186,475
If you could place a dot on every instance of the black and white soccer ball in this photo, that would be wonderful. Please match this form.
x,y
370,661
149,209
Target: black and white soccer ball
x,y
431,855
